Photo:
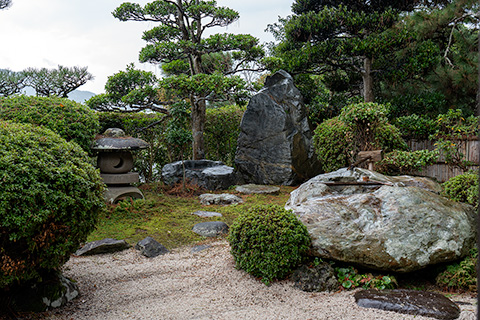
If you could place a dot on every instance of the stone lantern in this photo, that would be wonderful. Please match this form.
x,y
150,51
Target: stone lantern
x,y
115,161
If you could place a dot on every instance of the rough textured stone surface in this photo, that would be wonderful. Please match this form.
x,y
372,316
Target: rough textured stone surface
x,y
257,189
219,199
115,162
116,194
211,229
385,227
150,247
275,142
211,175
317,278
414,302
200,248
107,245
54,291
118,179
115,139
207,214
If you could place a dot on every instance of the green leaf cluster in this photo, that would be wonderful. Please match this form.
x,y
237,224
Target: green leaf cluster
x,y
361,126
463,188
462,275
71,120
268,242
416,127
349,278
406,162
50,196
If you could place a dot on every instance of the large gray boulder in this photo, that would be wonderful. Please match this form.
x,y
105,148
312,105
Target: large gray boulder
x,y
275,142
208,174
382,224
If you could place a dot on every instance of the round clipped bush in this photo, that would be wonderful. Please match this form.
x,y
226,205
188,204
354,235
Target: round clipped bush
x,y
463,188
71,120
50,197
268,242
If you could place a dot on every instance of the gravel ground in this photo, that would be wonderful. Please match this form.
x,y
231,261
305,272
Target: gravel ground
x,y
204,285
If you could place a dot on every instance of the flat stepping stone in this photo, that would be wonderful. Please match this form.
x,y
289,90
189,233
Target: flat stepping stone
x,y
257,189
107,245
207,214
200,248
219,199
211,228
429,304
150,248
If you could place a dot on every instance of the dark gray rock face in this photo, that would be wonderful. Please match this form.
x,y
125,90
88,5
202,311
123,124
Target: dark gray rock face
x,y
211,175
150,247
315,279
381,224
275,142
211,228
106,245
414,302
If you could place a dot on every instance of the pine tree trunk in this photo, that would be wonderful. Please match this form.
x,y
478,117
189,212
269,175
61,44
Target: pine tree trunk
x,y
367,80
198,126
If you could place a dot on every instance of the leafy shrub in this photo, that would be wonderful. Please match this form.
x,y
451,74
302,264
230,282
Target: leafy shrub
x,y
361,126
50,196
333,141
404,162
416,127
268,242
349,278
71,120
430,103
462,275
463,188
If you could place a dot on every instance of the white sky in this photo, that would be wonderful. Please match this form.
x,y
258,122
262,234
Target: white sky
x,y
48,33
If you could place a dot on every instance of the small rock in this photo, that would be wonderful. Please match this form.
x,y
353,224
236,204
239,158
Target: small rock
x,y
200,248
318,278
150,248
211,229
257,189
413,302
107,245
219,199
207,214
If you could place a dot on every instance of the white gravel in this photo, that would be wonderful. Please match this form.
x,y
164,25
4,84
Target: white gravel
x,y
204,285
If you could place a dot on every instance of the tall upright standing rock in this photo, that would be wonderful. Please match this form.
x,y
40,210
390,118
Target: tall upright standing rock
x,y
275,142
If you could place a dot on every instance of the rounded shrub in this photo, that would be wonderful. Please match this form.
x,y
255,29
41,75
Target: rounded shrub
x,y
50,197
71,120
463,188
268,242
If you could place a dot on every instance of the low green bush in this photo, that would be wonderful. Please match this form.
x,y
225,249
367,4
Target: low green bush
x,y
268,242
71,120
350,278
50,196
463,188
406,162
461,275
359,127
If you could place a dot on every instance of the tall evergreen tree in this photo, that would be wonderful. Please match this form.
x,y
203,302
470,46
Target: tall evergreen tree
x,y
329,36
179,37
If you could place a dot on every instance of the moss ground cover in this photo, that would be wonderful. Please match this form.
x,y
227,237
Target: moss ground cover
x,y
168,218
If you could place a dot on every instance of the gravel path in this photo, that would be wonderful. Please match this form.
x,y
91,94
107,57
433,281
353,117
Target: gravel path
x,y
204,285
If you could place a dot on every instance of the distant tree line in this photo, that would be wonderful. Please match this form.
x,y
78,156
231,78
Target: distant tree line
x,y
46,82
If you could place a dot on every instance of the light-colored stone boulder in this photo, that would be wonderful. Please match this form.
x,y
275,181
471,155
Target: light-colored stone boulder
x,y
380,223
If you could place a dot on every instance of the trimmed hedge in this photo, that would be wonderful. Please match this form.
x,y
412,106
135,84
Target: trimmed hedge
x,y
50,196
71,120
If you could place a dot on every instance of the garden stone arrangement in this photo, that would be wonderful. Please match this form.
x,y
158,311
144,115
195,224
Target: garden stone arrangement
x,y
275,142
368,219
208,174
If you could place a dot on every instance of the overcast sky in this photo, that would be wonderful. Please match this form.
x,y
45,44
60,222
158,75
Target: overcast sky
x,y
48,33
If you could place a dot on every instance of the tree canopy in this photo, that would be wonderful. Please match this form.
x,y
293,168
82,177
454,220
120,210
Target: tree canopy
x,y
178,41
